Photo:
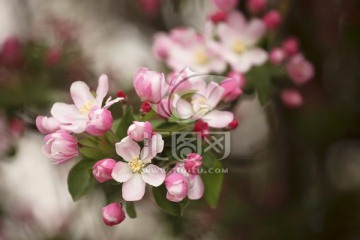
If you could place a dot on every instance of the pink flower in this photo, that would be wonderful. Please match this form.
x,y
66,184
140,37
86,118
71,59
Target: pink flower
x,y
113,214
232,86
272,19
277,56
162,46
256,5
193,163
74,117
145,107
225,5
291,46
300,70
60,147
291,98
202,128
176,186
203,106
150,7
47,125
138,131
138,170
238,39
218,17
102,169
100,121
11,54
149,85
233,125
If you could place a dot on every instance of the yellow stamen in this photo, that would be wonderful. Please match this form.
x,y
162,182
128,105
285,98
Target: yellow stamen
x,y
136,165
200,57
87,107
239,47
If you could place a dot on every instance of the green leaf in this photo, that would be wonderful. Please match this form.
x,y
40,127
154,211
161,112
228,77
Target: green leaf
x,y
212,183
80,180
92,153
130,209
260,79
125,122
209,159
169,207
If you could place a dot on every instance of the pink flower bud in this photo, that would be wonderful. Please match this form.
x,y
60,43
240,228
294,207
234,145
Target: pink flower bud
x,y
300,70
277,56
121,94
176,185
113,214
53,56
291,46
232,86
145,107
202,128
60,147
11,53
291,98
233,125
225,5
150,7
219,17
193,163
17,127
138,131
162,45
102,169
272,19
256,6
100,121
47,125
150,85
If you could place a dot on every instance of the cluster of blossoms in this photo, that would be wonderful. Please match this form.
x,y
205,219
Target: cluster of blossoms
x,y
135,162
232,45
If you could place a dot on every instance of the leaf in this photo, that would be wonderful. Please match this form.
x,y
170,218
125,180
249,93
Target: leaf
x,y
80,180
212,183
260,79
169,207
92,153
130,209
209,159
125,122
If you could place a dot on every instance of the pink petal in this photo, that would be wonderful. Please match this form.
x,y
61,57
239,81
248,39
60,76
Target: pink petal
x,y
101,90
214,94
153,175
154,146
127,149
254,31
80,93
196,189
122,172
134,188
257,56
77,126
110,102
66,113
236,21
184,109
218,119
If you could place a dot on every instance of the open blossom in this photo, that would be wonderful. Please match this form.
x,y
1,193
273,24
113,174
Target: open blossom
x,y
299,69
100,121
47,125
74,117
102,169
193,163
203,105
238,39
232,86
149,85
60,147
138,131
138,170
113,214
175,184
186,48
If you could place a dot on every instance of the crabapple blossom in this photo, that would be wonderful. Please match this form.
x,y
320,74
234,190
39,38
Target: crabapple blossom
x,y
102,169
60,147
11,54
225,5
138,170
202,128
113,214
218,17
145,107
74,117
100,121
232,86
138,131
299,69
256,5
238,39
233,125
272,19
193,163
176,187
291,46
277,56
47,125
291,98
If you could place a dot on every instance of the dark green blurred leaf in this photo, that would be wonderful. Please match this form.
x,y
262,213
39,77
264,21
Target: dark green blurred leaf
x,y
92,153
130,209
125,122
209,159
169,207
213,183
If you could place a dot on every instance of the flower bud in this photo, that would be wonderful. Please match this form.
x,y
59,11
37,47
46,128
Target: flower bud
x,y
202,128
150,85
121,94
47,125
291,46
11,53
53,56
256,6
233,125
225,5
161,46
272,19
17,127
102,169
100,121
150,7
60,147
145,107
232,86
277,56
138,131
113,214
300,70
291,98
193,163
219,17
176,186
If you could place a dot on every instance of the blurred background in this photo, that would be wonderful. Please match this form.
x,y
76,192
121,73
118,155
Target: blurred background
x,y
293,173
